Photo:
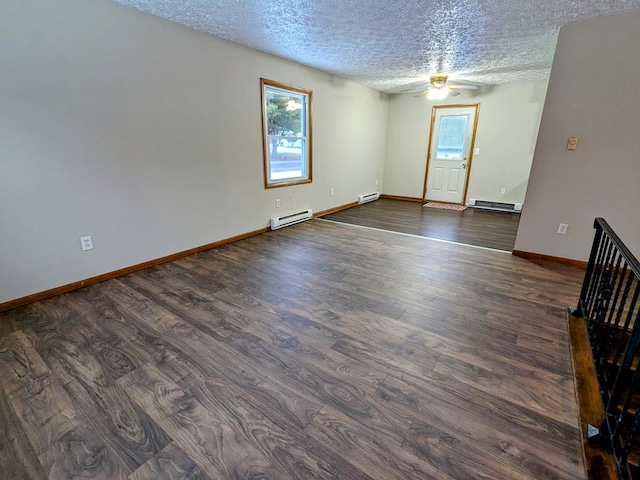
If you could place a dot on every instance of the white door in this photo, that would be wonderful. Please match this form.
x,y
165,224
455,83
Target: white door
x,y
452,136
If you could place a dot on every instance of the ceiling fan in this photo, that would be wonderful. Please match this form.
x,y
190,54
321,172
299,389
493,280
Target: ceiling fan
x,y
439,88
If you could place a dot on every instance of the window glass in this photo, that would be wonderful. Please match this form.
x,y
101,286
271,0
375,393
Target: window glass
x,y
451,138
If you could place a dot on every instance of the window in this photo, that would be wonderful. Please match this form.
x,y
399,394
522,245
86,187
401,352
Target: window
x,y
452,137
286,134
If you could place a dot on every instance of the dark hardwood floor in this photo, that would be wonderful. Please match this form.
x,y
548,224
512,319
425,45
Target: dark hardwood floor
x,y
473,226
317,351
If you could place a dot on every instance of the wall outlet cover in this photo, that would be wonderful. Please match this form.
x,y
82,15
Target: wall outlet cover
x,y
86,242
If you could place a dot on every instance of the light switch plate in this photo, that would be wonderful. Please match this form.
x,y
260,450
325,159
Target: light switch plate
x,y
572,143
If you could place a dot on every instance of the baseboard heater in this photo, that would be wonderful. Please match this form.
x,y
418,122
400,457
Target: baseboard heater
x,y
501,206
369,197
286,220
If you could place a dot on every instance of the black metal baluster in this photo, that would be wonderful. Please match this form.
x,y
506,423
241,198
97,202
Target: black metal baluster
x,y
610,293
624,330
579,311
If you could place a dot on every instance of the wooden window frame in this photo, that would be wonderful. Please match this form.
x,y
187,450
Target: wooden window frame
x,y
307,94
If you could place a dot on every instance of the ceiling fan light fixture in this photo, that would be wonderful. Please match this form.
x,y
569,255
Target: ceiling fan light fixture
x,y
438,81
438,93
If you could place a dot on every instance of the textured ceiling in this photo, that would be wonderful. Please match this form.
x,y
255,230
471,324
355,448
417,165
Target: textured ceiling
x,y
394,45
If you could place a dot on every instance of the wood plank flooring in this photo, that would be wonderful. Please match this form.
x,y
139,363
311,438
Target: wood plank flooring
x,y
318,351
473,226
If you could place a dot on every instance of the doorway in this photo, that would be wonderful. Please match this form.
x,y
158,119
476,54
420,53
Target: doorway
x,y
451,139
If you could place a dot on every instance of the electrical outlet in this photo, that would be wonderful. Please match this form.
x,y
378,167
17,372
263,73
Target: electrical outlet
x,y
277,203
331,192
562,228
86,243
503,191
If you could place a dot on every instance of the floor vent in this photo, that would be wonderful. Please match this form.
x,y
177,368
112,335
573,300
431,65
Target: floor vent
x,y
286,220
369,197
501,206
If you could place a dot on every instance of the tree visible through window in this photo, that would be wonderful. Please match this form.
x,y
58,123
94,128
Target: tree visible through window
x,y
286,122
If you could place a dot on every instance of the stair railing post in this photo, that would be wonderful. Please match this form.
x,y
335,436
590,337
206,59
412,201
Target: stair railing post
x,y
578,311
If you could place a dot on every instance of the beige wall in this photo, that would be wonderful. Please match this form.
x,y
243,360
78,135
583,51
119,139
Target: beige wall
x,y
593,94
506,136
146,135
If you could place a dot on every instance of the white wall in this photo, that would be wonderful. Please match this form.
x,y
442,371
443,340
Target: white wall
x,y
506,135
146,135
593,94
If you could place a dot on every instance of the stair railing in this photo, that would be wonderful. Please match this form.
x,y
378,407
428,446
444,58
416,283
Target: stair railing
x,y
609,305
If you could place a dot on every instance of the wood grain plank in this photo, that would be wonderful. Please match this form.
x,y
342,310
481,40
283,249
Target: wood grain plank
x,y
528,442
46,412
118,423
266,400
103,302
80,454
213,444
276,334
346,397
70,360
397,359
21,366
369,338
142,331
171,463
188,302
443,451
38,399
18,459
367,450
552,399
269,426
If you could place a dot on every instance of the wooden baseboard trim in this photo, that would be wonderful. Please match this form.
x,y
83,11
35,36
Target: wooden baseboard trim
x,y
550,258
335,209
599,463
399,197
19,302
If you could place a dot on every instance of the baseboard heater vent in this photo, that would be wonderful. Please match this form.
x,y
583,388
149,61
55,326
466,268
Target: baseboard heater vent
x,y
369,197
286,220
503,207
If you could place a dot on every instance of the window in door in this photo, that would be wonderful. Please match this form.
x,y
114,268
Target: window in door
x,y
452,136
286,132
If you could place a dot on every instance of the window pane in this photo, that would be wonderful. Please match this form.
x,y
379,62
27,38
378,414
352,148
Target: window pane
x,y
287,158
451,137
284,114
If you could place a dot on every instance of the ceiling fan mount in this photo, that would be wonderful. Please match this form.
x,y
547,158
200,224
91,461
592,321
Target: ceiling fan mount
x,y
438,81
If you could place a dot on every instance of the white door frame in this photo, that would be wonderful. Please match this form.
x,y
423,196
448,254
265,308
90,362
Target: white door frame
x,y
434,110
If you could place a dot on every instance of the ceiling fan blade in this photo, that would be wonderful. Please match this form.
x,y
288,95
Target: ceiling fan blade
x,y
464,87
424,93
453,93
